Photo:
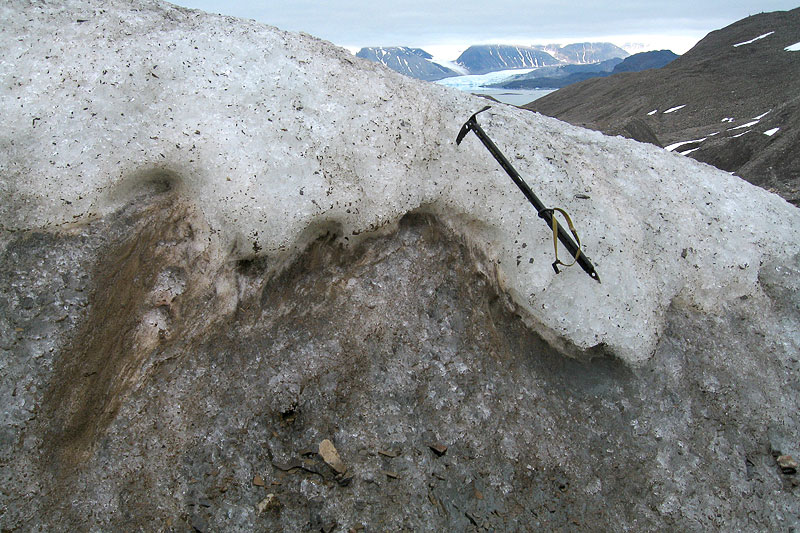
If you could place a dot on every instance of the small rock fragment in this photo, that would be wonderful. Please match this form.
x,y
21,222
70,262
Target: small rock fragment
x,y
344,479
438,448
788,464
781,442
390,474
331,457
270,503
258,481
387,453
199,523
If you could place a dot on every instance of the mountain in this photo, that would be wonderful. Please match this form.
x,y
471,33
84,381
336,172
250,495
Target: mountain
x,y
560,76
583,53
562,71
646,61
484,58
481,59
731,101
413,62
249,282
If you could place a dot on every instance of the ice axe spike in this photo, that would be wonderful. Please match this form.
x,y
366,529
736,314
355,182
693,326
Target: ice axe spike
x,y
544,213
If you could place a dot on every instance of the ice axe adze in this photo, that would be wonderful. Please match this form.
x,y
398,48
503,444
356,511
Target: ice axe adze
x,y
548,215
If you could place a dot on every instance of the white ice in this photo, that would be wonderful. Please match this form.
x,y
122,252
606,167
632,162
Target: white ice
x,y
673,109
771,132
793,48
653,112
475,81
754,39
278,137
746,125
672,147
762,115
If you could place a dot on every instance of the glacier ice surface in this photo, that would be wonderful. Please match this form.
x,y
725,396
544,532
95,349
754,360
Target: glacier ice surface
x,y
277,137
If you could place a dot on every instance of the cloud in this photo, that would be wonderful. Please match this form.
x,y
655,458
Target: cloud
x,y
356,23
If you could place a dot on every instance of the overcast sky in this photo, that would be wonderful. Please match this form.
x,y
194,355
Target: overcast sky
x,y
446,27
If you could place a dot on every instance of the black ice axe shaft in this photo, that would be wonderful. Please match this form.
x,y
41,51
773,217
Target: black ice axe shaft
x,y
544,213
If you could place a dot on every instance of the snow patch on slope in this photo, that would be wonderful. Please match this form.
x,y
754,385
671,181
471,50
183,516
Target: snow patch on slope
x,y
277,137
677,145
745,125
753,39
673,109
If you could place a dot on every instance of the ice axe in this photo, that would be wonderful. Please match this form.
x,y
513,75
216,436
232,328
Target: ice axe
x,y
546,214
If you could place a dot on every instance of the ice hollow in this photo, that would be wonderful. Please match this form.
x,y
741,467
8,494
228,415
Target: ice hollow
x,y
277,136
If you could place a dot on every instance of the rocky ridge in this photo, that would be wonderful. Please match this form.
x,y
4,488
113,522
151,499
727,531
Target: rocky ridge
x,y
731,101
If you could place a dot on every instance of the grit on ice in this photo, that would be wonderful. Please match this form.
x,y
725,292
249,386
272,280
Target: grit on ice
x,y
342,143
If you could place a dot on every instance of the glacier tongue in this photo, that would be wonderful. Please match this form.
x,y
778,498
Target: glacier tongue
x,y
277,137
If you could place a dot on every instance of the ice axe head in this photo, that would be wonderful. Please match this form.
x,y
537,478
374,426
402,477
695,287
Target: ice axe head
x,y
468,125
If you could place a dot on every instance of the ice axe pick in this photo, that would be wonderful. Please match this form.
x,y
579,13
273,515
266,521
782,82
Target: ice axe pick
x,y
546,214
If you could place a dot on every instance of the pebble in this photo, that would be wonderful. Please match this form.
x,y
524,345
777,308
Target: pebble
x,y
199,523
788,464
438,448
329,454
270,503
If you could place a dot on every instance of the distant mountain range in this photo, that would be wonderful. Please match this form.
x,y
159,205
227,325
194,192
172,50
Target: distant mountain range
x,y
731,101
481,59
583,53
561,76
485,58
413,62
